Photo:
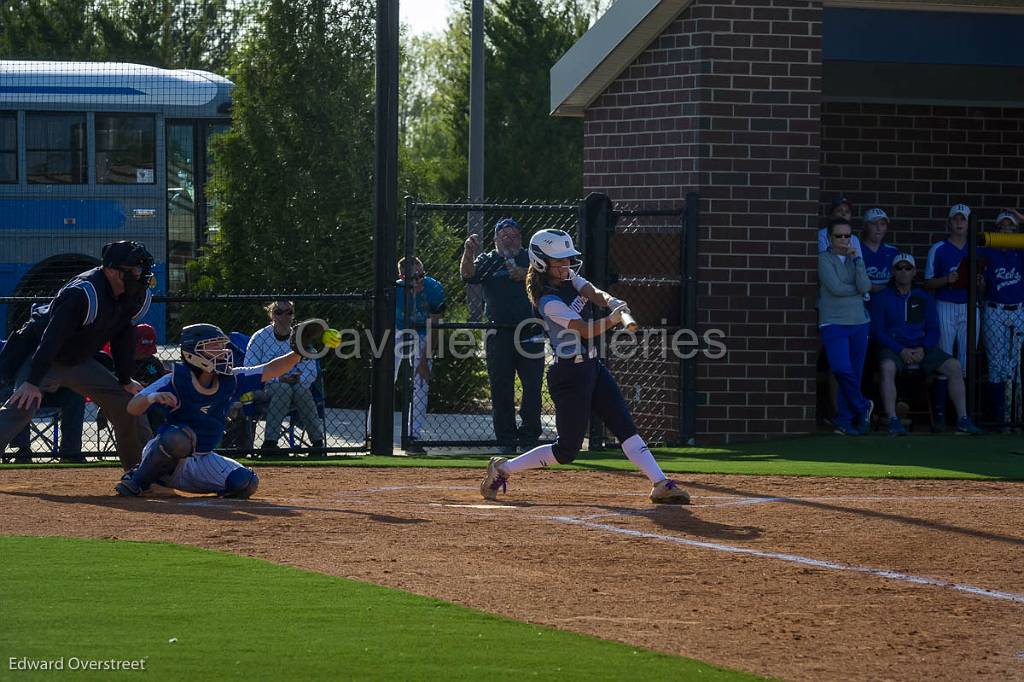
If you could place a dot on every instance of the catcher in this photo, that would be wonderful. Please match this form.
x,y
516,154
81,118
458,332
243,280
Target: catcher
x,y
197,394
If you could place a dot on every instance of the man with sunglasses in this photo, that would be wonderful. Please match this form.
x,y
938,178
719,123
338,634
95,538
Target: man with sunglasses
x,y
56,347
904,321
293,389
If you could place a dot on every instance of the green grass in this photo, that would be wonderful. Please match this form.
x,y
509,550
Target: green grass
x,y
923,456
239,618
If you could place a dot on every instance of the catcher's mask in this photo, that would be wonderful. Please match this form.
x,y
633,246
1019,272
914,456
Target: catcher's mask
x,y
548,245
205,347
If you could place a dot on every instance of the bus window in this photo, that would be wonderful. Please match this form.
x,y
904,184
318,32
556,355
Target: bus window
x,y
211,130
55,148
125,149
181,209
8,148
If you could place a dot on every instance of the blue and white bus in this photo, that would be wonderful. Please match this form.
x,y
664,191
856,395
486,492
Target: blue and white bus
x,y
95,152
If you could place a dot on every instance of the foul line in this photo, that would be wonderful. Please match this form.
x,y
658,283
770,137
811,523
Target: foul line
x,y
795,559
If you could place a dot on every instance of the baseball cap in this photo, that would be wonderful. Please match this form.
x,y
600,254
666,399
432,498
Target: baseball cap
x,y
145,339
1006,215
840,199
875,214
962,209
904,258
506,222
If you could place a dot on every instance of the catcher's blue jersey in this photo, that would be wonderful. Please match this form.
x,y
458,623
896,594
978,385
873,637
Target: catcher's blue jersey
x,y
204,413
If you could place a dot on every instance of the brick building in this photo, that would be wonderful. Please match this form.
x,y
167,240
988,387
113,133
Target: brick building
x,y
767,108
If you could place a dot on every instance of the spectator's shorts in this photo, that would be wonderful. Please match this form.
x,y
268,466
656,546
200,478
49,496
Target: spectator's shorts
x,y
933,359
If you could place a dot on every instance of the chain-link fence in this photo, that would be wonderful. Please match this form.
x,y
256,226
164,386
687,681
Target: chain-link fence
x,y
338,384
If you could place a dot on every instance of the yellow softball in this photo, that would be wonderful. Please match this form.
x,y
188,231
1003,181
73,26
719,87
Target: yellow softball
x,y
332,338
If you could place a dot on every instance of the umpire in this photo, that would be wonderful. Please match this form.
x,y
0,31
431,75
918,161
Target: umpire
x,y
56,346
502,272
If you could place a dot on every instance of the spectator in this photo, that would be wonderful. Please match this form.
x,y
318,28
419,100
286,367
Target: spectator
x,y
844,325
877,255
1004,316
56,347
427,295
502,272
904,321
841,208
148,367
942,276
71,417
291,390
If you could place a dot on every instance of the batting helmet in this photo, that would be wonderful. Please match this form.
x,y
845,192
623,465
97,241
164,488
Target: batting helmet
x,y
552,244
205,347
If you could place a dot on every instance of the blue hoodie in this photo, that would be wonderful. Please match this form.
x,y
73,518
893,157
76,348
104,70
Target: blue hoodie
x,y
899,321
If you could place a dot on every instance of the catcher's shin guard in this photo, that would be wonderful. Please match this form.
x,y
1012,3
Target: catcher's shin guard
x,y
177,442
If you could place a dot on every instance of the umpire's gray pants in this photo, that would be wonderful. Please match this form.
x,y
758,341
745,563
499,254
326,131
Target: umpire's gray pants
x,y
92,379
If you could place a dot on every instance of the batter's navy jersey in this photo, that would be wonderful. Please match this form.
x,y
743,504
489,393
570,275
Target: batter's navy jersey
x,y
204,414
878,264
560,305
1003,270
944,258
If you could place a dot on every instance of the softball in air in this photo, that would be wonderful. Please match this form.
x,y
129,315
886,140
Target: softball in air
x,y
332,338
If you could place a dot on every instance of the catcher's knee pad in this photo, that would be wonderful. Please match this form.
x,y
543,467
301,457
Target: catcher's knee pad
x,y
241,483
177,442
564,454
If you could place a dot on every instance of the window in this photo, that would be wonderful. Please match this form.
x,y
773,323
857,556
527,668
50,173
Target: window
x,y
55,148
125,149
181,208
8,148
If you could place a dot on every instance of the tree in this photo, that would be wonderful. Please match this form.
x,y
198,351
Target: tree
x,y
294,174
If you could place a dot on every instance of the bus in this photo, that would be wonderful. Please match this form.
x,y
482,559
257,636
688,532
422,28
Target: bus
x,y
94,152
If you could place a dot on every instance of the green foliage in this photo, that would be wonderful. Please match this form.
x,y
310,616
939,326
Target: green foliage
x,y
294,173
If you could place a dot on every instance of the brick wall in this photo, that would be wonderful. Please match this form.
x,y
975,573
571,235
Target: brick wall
x,y
915,161
727,103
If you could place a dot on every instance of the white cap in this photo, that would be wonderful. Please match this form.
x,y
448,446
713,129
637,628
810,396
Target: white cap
x,y
875,214
962,209
903,258
1006,215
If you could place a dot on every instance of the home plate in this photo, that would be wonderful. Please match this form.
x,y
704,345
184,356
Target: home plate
x,y
473,506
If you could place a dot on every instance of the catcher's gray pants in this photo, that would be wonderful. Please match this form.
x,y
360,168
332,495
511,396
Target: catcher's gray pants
x,y
283,397
92,379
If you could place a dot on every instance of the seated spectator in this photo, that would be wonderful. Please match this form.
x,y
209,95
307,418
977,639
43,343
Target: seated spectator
x,y
905,323
844,325
291,391
71,416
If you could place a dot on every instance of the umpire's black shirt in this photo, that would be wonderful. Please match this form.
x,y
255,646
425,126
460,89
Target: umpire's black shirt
x,y
82,317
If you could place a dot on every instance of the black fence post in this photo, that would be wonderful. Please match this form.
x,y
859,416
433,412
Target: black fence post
x,y
688,319
385,208
972,317
596,225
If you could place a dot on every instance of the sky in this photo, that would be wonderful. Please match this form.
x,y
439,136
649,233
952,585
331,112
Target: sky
x,y
424,16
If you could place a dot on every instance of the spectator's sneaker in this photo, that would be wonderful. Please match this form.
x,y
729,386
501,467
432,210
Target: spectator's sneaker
x,y
127,487
896,427
494,479
414,448
863,424
669,492
966,425
846,430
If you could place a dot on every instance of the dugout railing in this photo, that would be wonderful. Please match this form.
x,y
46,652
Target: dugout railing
x,y
341,388
645,255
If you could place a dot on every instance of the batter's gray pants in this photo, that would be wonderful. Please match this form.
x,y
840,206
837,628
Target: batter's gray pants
x,y
92,379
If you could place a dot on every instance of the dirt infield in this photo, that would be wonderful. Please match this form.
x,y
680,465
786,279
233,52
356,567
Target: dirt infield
x,y
825,579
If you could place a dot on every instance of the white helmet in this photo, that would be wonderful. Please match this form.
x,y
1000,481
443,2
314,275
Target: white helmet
x,y
552,244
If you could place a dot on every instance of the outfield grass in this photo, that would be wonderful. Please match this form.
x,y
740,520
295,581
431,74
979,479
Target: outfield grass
x,y
196,614
999,457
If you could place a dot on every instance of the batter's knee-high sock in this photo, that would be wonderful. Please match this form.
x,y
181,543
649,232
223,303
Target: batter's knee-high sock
x,y
540,456
639,454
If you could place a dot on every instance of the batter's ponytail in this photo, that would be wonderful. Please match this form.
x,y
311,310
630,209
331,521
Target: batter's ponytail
x,y
534,285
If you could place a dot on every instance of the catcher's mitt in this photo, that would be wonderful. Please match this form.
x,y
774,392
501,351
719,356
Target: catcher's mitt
x,y
313,338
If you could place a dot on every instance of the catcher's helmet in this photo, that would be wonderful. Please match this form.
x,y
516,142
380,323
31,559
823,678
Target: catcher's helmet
x,y
551,244
205,347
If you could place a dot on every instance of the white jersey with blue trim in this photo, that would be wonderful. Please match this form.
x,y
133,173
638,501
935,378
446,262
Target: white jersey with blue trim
x,y
558,306
204,410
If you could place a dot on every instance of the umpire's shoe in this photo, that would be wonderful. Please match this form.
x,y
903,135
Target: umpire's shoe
x,y
669,492
495,478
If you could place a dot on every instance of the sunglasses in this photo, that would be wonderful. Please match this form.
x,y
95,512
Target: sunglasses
x,y
841,236
904,267
283,311
416,276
